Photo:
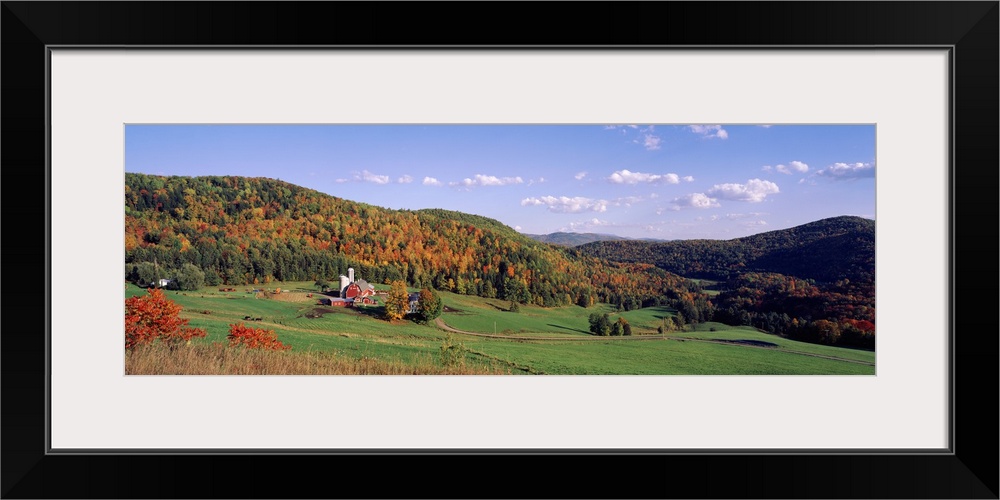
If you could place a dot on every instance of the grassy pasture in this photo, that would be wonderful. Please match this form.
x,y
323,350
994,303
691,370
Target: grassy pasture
x,y
480,315
350,334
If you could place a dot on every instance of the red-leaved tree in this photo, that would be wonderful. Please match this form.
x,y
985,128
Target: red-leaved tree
x,y
153,316
254,338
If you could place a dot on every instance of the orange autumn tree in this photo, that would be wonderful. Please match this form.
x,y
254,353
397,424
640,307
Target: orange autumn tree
x,y
153,316
254,338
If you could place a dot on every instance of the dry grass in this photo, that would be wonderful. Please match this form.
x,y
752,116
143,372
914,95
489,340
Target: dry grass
x,y
217,359
294,297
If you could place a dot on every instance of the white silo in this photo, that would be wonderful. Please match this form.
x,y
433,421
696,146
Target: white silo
x,y
344,281
350,274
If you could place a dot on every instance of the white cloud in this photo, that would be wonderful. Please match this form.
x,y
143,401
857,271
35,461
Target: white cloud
x,y
579,176
341,181
754,223
848,171
688,178
629,200
792,167
694,200
643,135
406,179
710,131
517,228
567,205
590,224
754,191
430,181
767,168
744,216
367,176
627,177
488,180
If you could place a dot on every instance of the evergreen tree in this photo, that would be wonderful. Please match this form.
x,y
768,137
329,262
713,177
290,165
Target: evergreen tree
x,y
600,324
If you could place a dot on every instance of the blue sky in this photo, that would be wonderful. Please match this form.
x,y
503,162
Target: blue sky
x,y
663,181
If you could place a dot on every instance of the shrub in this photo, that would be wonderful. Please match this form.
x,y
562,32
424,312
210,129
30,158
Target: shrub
x,y
154,316
452,353
254,338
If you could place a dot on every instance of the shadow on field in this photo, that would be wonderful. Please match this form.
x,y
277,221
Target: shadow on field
x,y
570,329
754,343
376,312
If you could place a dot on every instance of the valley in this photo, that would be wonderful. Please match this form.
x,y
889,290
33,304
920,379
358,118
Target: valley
x,y
268,254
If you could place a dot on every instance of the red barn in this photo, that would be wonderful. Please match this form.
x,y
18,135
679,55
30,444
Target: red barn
x,y
358,289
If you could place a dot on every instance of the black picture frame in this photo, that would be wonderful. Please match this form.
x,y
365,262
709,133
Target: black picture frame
x,y
970,29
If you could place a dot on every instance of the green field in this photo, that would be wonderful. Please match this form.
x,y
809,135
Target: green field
x,y
539,340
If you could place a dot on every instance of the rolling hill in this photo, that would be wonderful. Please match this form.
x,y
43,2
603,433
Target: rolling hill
x,y
826,250
573,239
241,230
576,239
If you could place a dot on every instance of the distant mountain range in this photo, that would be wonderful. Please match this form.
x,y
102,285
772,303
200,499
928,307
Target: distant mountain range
x,y
576,239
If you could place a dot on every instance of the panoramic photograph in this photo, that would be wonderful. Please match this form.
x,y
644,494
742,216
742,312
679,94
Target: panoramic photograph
x,y
583,249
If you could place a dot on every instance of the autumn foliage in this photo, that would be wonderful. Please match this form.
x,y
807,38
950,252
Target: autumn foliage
x,y
242,230
153,316
254,338
397,303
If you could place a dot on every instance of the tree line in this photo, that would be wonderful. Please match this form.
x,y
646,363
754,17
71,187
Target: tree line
x,y
840,313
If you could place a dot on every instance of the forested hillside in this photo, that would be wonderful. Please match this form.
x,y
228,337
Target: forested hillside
x,y
826,250
814,282
238,230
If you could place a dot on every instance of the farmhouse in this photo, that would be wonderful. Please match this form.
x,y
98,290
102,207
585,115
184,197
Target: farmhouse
x,y
414,302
